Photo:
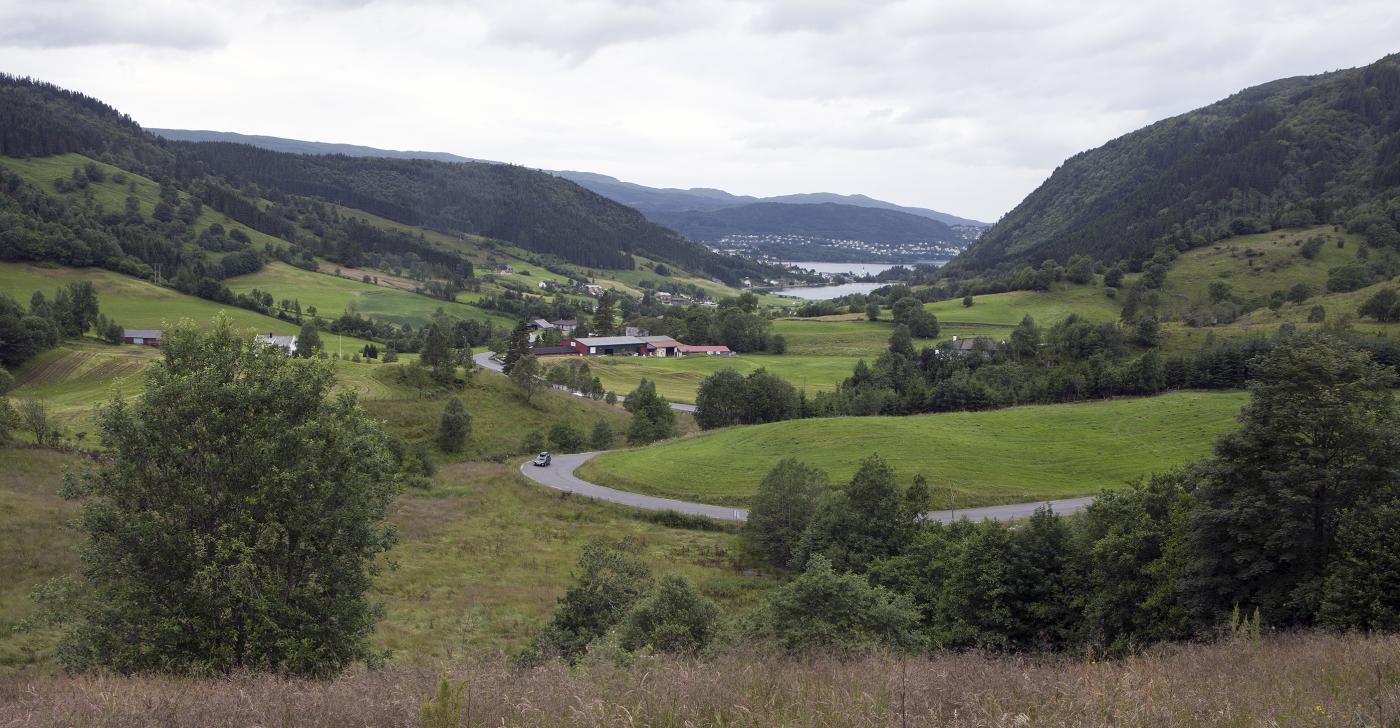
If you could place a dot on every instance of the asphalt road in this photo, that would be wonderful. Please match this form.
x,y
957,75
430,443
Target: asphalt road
x,y
559,475
485,361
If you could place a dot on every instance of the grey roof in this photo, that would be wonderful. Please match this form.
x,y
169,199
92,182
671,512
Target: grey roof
x,y
286,342
551,350
610,341
662,341
542,324
141,333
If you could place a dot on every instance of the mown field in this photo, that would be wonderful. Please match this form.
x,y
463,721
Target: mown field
x,y
1090,301
677,379
332,295
969,458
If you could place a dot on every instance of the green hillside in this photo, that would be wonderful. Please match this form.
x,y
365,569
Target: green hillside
x,y
970,459
1296,151
332,294
138,304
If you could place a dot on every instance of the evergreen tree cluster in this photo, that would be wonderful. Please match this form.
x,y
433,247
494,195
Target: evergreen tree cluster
x,y
1294,519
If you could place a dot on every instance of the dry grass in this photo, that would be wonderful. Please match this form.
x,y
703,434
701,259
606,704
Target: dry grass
x,y
1296,680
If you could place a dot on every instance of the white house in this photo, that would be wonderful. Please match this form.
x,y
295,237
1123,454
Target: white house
x,y
286,342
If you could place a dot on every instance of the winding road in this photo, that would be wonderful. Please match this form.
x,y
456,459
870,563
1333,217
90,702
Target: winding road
x,y
559,475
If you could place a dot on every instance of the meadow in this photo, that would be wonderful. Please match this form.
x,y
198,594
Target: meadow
x,y
332,295
677,379
969,458
1046,307
138,304
1285,680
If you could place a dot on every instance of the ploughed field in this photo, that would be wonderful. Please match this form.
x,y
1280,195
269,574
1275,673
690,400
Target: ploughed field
x,y
970,459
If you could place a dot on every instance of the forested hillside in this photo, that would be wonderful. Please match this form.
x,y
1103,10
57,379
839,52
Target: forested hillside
x,y
1289,153
284,197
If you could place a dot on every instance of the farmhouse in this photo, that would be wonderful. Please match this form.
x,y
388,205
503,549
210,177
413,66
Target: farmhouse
x,y
979,345
286,342
662,345
565,326
593,290
141,337
608,345
541,325
686,349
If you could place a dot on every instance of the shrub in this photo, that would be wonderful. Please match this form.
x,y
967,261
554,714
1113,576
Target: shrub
x,y
672,618
566,437
455,426
824,610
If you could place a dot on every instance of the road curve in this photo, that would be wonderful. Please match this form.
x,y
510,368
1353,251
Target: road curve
x,y
485,360
559,475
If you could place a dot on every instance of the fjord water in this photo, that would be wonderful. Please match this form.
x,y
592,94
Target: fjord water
x,y
820,293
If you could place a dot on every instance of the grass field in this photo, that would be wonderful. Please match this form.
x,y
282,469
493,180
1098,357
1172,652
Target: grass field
x,y
678,378
1257,265
482,558
331,295
970,459
138,304
1046,307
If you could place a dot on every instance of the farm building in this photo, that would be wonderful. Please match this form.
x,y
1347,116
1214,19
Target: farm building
x,y
565,326
559,350
687,349
142,337
608,345
662,345
286,342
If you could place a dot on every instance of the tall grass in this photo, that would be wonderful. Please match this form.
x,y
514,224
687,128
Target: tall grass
x,y
1304,679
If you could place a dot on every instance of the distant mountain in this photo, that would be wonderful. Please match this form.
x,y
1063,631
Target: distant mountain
x,y
282,195
827,221
297,146
670,199
1293,152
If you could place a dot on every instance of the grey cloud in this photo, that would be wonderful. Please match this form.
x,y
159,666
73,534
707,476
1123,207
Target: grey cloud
x,y
78,24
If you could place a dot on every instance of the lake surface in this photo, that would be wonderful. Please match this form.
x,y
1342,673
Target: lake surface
x,y
820,293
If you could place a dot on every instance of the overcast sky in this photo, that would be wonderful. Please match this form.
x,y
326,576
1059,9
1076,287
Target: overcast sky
x,y
964,107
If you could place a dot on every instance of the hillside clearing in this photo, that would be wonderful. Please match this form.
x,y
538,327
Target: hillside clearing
x,y
970,458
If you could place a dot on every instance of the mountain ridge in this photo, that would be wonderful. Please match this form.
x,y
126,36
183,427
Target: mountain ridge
x,y
1287,153
644,198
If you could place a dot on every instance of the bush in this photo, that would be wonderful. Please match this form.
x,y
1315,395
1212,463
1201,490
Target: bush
x,y
566,437
602,436
534,442
967,301
610,579
455,426
823,610
672,618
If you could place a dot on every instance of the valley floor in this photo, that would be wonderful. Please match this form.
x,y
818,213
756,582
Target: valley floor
x,y
1288,680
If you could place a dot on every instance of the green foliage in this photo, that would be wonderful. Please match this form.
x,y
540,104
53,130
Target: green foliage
x,y
517,346
1318,438
1383,306
782,509
967,301
866,521
525,375
36,418
566,437
455,426
309,344
9,420
728,398
1363,581
602,435
444,709
672,618
822,610
609,581
238,523
604,318
652,416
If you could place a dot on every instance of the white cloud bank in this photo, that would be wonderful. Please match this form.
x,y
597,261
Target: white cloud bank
x,y
960,106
